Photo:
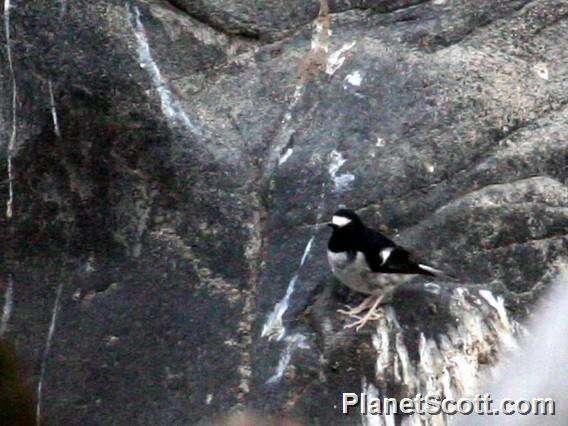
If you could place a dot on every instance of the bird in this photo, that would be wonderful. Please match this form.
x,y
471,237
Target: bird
x,y
368,262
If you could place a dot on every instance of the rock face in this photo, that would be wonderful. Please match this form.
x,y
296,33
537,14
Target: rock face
x,y
171,163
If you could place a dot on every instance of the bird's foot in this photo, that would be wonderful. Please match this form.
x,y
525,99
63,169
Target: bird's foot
x,y
353,312
360,323
372,315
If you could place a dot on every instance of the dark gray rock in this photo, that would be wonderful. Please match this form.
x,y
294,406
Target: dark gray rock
x,y
252,18
176,207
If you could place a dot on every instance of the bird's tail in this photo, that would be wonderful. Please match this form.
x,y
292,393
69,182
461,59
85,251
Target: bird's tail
x,y
428,270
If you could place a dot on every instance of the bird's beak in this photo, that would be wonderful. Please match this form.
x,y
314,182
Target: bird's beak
x,y
330,224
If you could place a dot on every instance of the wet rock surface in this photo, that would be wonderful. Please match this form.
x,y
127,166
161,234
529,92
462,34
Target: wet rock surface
x,y
173,164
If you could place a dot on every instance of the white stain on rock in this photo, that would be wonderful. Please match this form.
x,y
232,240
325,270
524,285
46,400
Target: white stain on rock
x,y
537,369
451,365
284,157
340,181
541,70
355,78
337,58
170,107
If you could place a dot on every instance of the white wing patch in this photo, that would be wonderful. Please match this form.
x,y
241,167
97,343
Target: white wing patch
x,y
340,221
385,254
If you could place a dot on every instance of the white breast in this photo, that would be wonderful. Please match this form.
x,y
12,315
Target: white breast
x,y
355,274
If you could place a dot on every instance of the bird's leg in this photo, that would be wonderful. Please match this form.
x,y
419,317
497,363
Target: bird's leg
x,y
369,316
365,304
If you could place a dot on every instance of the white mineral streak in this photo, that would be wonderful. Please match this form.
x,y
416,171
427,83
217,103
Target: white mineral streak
x,y
293,342
337,58
501,324
451,365
8,305
274,327
369,418
538,368
381,344
170,107
340,181
53,109
429,356
307,250
409,379
12,140
48,340
319,45
473,345
284,157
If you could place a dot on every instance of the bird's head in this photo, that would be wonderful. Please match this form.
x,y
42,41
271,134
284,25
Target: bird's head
x,y
345,219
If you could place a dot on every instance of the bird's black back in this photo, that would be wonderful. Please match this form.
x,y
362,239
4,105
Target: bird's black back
x,y
399,261
371,243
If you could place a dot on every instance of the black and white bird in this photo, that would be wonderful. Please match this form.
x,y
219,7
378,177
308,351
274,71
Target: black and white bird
x,y
368,262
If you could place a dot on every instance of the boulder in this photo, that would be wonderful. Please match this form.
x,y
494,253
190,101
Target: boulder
x,y
172,165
